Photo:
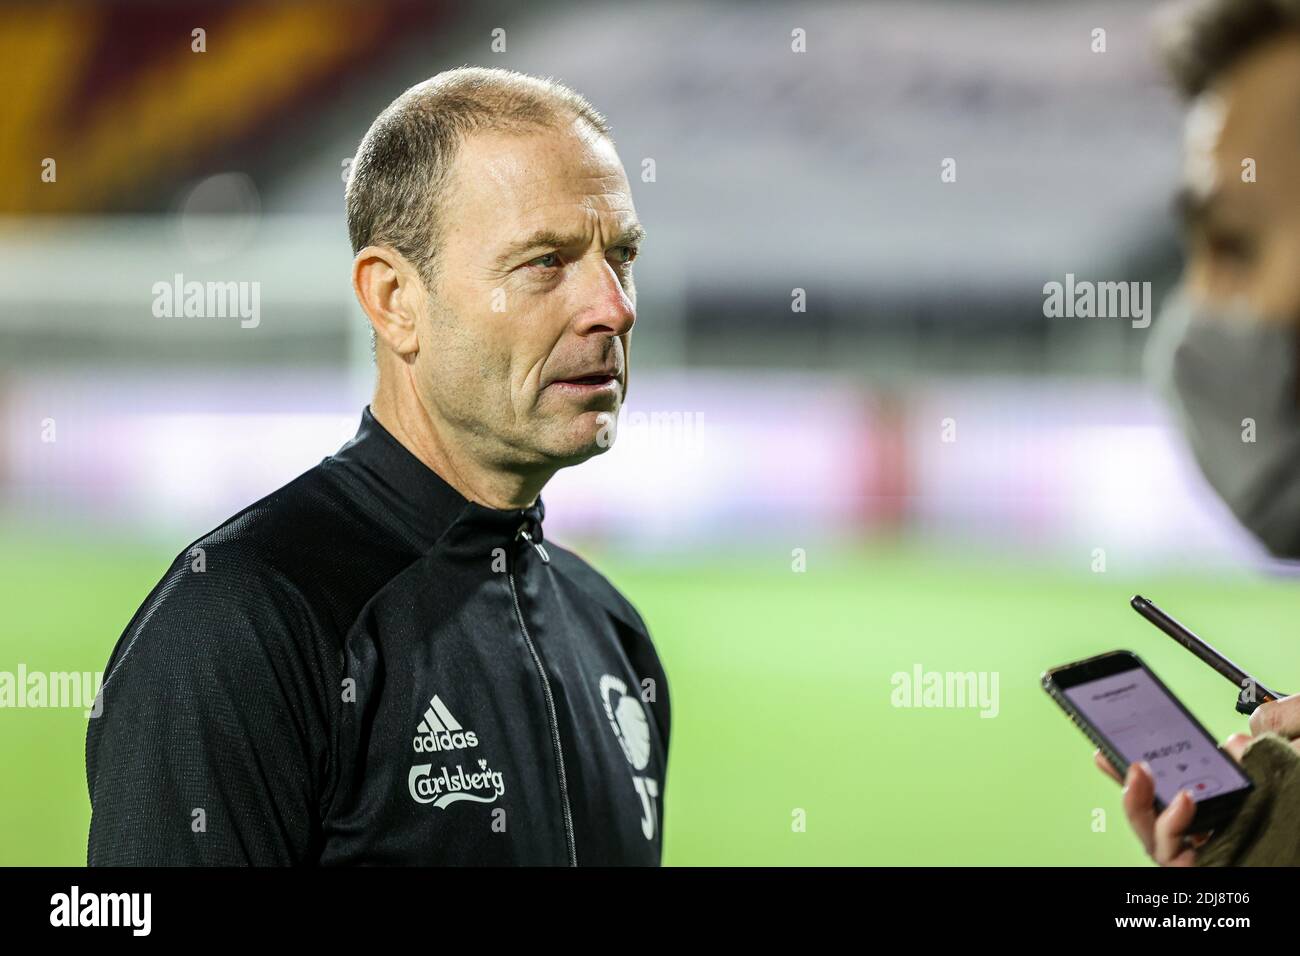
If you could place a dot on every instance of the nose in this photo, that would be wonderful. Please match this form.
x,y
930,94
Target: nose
x,y
605,308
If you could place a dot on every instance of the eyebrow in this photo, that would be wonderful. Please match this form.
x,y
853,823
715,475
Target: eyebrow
x,y
1211,213
550,239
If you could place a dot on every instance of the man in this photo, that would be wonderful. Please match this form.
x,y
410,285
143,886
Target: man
x,y
1226,351
382,662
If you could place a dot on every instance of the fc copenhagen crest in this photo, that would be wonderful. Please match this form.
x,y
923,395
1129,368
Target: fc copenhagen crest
x,y
628,721
627,717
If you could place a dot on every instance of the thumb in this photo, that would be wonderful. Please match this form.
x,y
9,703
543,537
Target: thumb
x,y
1280,716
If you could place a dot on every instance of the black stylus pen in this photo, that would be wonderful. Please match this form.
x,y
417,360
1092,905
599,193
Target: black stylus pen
x,y
1251,692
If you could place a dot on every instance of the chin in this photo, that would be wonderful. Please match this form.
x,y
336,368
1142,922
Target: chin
x,y
584,438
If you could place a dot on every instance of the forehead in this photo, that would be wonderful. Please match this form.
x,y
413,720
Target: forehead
x,y
1260,102
1251,112
568,178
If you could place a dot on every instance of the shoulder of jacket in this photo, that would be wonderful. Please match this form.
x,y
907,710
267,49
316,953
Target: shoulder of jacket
x,y
596,586
270,531
307,540
252,574
223,598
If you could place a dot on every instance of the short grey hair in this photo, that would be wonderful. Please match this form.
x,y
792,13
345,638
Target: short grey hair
x,y
1200,40
397,180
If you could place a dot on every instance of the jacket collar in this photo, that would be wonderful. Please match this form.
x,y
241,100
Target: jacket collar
x,y
418,500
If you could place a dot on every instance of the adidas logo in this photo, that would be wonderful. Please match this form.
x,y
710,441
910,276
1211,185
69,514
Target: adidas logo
x,y
439,730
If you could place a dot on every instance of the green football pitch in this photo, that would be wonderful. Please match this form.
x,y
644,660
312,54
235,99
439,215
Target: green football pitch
x,y
787,746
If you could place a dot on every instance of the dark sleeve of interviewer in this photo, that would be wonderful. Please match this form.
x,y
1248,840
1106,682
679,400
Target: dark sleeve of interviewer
x,y
1266,831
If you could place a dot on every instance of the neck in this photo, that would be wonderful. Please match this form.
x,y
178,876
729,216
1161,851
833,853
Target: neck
x,y
407,420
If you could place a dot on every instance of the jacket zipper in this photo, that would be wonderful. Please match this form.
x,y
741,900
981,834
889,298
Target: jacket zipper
x,y
550,701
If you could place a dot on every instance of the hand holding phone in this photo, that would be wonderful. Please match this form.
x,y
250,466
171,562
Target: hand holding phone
x,y
1168,838
1132,717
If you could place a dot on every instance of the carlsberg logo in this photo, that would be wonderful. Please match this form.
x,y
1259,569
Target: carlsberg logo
x,y
442,787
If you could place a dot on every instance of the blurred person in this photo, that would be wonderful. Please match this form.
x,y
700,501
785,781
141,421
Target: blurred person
x,y
1225,352
382,662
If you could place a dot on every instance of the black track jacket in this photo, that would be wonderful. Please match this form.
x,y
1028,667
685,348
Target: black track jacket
x,y
365,667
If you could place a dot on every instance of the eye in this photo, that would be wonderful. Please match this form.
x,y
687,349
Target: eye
x,y
1230,254
549,261
624,254
1228,245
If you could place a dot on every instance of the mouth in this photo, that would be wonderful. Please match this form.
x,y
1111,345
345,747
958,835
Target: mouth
x,y
592,384
597,379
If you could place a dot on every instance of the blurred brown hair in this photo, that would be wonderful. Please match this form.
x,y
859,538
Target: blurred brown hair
x,y
1201,39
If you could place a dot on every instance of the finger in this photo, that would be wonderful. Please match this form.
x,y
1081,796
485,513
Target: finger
x,y
1280,716
1139,792
1236,745
1104,766
1171,827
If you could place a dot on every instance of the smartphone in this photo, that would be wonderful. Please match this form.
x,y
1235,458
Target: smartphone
x,y
1131,716
1250,692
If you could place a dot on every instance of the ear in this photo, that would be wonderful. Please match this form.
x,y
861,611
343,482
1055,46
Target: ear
x,y
392,295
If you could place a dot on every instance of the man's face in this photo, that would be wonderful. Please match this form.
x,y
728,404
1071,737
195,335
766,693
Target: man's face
x,y
1244,237
525,351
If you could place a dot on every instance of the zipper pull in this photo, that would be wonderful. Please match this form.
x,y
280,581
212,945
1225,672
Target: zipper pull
x,y
523,533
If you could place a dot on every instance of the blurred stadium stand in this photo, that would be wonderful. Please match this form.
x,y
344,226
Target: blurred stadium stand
x,y
773,171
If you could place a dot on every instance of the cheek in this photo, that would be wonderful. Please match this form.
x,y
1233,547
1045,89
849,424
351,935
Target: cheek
x,y
458,367
1275,286
500,373
527,342
1219,277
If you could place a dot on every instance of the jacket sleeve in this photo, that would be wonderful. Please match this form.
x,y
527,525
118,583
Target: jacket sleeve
x,y
1266,830
209,746
646,661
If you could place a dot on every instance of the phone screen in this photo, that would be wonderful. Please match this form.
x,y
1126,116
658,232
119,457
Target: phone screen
x,y
1141,721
